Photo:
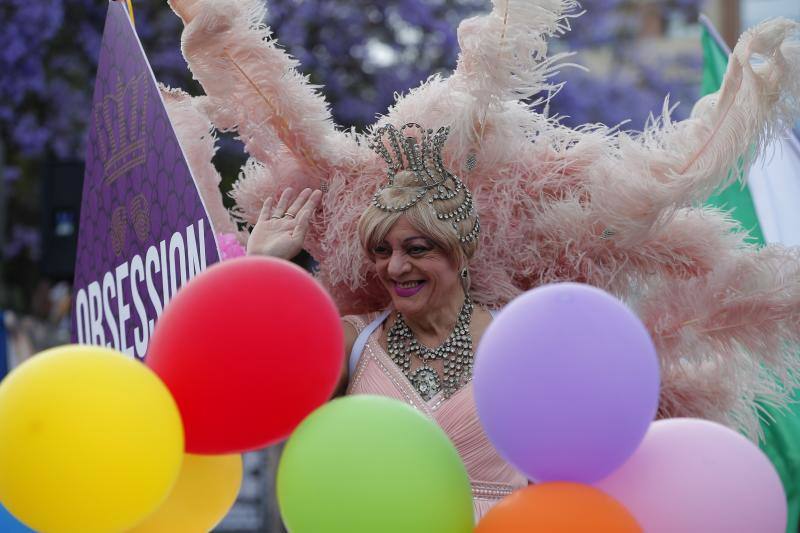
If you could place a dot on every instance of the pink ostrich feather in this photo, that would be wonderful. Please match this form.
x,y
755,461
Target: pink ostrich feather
x,y
197,139
618,210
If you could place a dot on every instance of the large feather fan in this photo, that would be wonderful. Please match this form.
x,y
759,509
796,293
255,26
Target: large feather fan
x,y
618,210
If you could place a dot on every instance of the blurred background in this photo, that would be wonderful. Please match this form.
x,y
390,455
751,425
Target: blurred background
x,y
362,53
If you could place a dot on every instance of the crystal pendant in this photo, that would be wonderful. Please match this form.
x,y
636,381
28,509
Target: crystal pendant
x,y
426,381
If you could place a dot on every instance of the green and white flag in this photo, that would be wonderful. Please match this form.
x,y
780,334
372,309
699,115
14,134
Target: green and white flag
x,y
767,207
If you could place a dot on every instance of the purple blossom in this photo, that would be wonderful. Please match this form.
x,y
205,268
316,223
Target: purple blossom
x,y
362,52
48,55
11,174
336,43
23,238
48,58
635,86
31,134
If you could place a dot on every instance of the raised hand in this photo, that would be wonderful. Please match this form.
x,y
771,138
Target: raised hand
x,y
281,230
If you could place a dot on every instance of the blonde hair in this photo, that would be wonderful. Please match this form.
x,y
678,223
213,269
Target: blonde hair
x,y
375,223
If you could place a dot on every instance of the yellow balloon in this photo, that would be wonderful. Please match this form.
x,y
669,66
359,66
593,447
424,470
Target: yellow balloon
x,y
90,440
204,493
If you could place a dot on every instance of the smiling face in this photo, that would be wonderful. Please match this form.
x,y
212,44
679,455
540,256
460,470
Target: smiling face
x,y
417,273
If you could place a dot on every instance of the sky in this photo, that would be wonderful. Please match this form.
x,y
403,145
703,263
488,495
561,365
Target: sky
x,y
754,11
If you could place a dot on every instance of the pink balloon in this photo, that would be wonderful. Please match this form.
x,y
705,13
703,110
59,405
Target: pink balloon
x,y
696,476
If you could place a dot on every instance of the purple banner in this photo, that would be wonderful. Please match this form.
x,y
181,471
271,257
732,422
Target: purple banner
x,y
143,229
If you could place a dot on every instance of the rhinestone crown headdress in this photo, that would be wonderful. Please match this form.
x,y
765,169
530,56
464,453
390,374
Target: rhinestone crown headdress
x,y
419,150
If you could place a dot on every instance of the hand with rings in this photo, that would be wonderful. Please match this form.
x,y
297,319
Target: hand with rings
x,y
281,230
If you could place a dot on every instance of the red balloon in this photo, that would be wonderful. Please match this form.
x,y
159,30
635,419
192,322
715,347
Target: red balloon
x,y
248,348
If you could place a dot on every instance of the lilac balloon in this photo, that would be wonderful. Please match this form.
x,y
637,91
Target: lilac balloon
x,y
696,476
566,383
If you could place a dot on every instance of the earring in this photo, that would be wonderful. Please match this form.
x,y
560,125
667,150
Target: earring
x,y
464,274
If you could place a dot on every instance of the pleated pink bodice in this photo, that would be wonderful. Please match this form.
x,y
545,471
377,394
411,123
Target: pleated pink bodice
x,y
492,478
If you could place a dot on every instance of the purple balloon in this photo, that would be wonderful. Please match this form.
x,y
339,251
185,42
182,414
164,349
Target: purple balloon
x,y
566,383
696,476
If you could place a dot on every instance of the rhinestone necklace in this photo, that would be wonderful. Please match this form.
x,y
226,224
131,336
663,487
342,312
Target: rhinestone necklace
x,y
455,352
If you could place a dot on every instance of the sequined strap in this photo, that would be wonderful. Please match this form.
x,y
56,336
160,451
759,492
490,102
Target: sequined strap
x,y
490,491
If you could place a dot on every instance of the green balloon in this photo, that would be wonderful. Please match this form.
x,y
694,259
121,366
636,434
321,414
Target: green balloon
x,y
368,464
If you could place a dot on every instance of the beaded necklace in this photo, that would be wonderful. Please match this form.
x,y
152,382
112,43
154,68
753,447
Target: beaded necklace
x,y
455,352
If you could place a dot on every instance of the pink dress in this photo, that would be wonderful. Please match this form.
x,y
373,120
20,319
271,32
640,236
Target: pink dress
x,y
492,478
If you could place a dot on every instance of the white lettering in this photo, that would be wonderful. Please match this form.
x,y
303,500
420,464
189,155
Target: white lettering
x,y
151,266
176,261
140,334
196,264
98,336
176,245
108,294
164,275
82,325
123,310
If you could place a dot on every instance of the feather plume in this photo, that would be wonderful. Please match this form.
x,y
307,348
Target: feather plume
x,y
504,59
504,53
671,165
231,52
196,137
594,204
733,334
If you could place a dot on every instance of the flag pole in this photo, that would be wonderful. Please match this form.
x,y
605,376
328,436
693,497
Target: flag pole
x,y
712,30
129,3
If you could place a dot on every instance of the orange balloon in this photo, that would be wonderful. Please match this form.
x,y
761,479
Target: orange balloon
x,y
558,507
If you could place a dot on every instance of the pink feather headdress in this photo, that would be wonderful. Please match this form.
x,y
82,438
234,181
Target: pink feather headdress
x,y
614,209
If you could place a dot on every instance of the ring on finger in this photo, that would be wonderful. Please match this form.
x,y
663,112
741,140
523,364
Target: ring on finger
x,y
289,215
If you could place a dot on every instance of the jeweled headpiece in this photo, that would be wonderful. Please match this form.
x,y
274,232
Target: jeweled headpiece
x,y
418,150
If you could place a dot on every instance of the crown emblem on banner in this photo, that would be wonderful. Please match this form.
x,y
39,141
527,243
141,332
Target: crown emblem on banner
x,y
120,125
118,229
139,212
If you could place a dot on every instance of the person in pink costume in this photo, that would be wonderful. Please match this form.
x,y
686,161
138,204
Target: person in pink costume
x,y
618,210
